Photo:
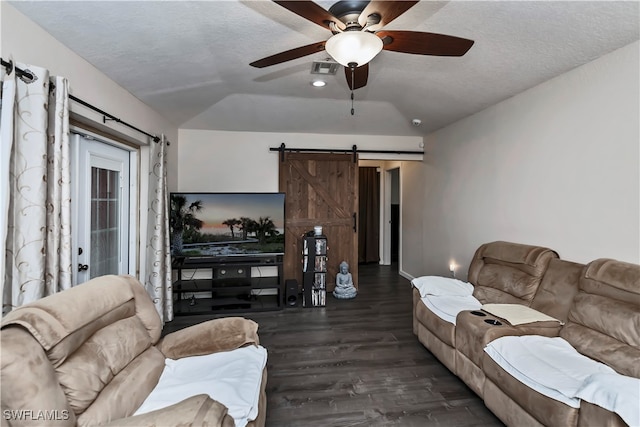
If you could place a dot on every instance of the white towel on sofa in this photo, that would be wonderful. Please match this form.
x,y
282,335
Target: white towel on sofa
x,y
614,392
232,378
447,307
550,366
517,314
439,285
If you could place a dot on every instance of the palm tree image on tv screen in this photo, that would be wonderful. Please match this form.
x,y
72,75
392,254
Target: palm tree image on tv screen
x,y
226,224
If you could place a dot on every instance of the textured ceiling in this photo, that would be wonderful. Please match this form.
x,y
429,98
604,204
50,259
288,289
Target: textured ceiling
x,y
190,60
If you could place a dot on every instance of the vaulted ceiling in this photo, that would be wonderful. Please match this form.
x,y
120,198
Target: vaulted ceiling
x,y
189,60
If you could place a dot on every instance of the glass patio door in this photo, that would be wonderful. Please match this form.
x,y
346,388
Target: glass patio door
x,y
102,209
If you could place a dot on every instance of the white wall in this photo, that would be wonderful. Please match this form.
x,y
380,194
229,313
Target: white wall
x,y
242,161
557,166
412,245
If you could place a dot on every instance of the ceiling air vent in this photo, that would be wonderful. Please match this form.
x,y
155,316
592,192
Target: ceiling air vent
x,y
324,67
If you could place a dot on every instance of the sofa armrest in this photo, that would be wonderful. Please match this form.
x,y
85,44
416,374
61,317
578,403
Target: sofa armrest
x,y
209,337
473,333
197,411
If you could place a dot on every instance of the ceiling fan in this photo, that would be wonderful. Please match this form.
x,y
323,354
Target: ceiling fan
x,y
358,36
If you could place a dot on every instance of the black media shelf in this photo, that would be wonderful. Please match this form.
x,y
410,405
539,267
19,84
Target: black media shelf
x,y
231,287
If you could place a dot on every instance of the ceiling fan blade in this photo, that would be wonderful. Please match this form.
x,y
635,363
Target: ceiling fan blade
x,y
386,10
420,43
311,11
288,55
357,78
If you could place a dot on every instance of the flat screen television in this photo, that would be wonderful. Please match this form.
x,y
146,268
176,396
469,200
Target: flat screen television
x,y
226,224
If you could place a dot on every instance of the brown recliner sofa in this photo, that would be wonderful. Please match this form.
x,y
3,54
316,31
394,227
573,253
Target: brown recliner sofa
x,y
501,272
581,297
92,354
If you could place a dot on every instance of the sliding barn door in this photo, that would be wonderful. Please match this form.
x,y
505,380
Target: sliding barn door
x,y
321,189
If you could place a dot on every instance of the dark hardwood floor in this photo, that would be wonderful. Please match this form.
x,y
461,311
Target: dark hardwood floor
x,y
357,363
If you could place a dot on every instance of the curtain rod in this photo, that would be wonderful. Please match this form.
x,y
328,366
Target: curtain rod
x,y
354,150
9,67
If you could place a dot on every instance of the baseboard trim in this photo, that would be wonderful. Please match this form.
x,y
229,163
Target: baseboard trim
x,y
406,275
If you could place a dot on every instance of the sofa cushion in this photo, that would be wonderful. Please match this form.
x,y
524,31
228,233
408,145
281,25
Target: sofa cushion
x,y
212,336
444,330
557,289
504,272
102,356
126,391
32,388
604,320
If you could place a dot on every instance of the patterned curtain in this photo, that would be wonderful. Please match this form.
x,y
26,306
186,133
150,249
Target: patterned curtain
x,y
35,131
158,262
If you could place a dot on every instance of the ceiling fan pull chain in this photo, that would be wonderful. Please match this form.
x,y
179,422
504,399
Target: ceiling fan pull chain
x,y
353,79
352,109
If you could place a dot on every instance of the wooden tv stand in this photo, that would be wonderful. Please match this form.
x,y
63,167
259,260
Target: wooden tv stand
x,y
231,284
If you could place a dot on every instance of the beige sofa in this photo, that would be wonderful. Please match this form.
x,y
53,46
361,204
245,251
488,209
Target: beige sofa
x,y
598,306
92,354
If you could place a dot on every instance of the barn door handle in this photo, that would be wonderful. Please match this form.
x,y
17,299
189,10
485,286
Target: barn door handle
x,y
355,223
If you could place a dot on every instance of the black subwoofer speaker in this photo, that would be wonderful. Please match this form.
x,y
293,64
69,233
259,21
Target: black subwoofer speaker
x,y
291,292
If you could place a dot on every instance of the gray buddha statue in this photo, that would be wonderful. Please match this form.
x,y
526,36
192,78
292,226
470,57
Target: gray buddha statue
x,y
344,283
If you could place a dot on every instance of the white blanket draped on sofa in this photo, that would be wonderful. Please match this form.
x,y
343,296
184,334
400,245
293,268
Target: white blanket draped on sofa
x,y
446,297
232,378
448,307
552,367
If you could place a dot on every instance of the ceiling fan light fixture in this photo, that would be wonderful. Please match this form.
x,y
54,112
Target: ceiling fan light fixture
x,y
353,47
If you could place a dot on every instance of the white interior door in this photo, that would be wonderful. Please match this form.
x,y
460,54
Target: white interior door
x,y
101,208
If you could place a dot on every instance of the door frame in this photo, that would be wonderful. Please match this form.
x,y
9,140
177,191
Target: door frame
x,y
385,224
134,206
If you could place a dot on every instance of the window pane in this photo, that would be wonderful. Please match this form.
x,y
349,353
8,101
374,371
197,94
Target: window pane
x,y
105,224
